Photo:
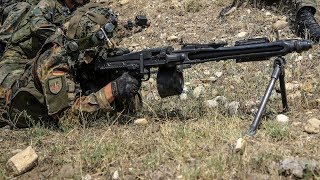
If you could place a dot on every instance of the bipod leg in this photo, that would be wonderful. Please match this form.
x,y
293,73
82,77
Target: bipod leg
x,y
283,85
277,71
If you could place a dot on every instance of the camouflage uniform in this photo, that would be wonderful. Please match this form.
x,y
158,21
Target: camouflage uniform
x,y
52,86
28,37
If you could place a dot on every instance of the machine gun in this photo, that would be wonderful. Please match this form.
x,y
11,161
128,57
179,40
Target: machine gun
x,y
169,63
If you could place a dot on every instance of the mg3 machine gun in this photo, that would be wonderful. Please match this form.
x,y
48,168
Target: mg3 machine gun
x,y
170,63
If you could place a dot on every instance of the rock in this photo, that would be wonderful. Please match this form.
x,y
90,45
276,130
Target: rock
x,y
198,91
23,161
297,166
115,175
292,166
218,74
185,89
314,122
206,72
299,58
233,108
124,2
87,177
212,103
141,121
172,38
312,126
241,145
242,34
280,24
282,118
183,96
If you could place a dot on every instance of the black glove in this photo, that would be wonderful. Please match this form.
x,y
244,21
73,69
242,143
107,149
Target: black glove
x,y
125,86
307,24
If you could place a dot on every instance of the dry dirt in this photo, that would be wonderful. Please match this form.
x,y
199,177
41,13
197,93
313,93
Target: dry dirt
x,y
184,139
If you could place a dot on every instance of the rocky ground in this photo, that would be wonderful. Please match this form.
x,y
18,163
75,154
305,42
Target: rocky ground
x,y
200,134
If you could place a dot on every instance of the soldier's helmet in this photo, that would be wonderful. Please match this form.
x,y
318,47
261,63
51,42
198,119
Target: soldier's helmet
x,y
88,20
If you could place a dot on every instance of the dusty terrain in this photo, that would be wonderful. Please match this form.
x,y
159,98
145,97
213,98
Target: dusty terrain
x,y
184,137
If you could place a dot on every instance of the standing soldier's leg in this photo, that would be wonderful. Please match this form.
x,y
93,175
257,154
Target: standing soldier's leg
x,y
306,22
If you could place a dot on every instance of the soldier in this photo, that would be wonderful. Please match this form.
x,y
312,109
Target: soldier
x,y
307,26
11,12
33,30
51,85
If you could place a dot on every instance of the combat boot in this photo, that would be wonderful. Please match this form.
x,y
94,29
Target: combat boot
x,y
308,27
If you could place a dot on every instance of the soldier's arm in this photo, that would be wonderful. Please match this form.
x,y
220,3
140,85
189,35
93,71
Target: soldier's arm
x,y
60,89
41,19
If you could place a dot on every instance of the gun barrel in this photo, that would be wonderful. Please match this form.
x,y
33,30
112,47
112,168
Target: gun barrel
x,y
247,52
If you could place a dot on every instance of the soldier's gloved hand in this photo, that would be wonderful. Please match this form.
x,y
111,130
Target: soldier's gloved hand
x,y
125,86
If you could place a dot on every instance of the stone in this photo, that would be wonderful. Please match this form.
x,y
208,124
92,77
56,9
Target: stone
x,y
115,175
141,121
314,122
312,126
212,103
172,38
198,91
268,13
279,25
282,118
240,145
297,166
233,108
292,166
299,58
242,34
124,2
23,161
206,72
218,74
87,177
183,96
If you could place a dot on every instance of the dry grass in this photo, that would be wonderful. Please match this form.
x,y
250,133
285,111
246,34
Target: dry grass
x,y
185,139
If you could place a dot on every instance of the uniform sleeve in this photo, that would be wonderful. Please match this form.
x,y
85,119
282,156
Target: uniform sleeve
x,y
60,89
41,19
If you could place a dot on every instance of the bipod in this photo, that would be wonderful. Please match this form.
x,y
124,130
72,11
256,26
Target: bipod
x,y
278,73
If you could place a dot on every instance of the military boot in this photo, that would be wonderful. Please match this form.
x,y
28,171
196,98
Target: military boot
x,y
307,25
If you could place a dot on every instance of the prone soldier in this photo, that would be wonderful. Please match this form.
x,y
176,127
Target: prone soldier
x,y
28,37
52,83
